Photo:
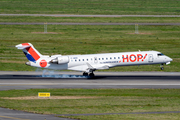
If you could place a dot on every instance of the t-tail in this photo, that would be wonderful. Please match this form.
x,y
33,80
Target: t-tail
x,y
30,52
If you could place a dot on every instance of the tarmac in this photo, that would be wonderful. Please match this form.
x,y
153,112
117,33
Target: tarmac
x,y
50,79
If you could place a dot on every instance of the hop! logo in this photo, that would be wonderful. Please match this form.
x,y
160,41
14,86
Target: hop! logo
x,y
133,58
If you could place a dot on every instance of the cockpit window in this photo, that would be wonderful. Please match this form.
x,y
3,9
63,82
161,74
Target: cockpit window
x,y
160,54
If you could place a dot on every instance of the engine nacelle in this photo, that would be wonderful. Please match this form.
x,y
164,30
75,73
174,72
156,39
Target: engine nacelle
x,y
61,60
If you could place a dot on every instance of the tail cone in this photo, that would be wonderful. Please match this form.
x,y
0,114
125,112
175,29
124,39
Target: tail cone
x,y
28,63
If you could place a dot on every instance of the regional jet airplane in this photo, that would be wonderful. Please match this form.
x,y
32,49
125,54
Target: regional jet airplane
x,y
91,62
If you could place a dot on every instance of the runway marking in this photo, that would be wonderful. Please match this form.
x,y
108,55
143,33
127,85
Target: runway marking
x,y
13,118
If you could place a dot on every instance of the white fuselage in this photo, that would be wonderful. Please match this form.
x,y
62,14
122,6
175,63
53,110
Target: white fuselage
x,y
102,61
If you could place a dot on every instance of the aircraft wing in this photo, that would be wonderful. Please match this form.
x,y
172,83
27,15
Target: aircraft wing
x,y
99,67
103,67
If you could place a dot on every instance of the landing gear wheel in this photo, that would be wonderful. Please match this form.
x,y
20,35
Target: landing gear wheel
x,y
162,68
85,74
91,75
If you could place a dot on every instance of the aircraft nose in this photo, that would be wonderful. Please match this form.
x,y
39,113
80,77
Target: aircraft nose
x,y
170,59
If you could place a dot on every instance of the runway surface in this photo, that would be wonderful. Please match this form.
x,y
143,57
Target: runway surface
x,y
55,23
50,79
6,114
66,15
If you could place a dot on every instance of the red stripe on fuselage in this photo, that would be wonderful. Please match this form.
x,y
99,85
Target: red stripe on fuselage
x,y
33,53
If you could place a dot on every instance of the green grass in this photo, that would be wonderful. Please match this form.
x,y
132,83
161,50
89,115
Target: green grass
x,y
90,7
90,19
105,101
88,39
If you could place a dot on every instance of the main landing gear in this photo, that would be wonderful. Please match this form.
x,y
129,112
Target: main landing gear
x,y
85,74
91,75
162,68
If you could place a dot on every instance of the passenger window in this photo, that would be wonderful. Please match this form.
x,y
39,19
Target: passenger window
x,y
83,59
118,57
99,58
110,57
106,58
87,59
102,58
79,60
114,57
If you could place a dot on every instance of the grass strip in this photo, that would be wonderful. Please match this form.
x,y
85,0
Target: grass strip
x,y
116,7
88,39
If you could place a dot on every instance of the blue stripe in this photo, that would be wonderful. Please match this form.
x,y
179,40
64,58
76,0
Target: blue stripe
x,y
30,58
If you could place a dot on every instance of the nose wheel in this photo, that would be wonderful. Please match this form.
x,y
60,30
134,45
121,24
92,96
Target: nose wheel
x,y
162,68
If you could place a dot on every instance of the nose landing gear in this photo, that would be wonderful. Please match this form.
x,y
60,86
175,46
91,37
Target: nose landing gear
x,y
162,68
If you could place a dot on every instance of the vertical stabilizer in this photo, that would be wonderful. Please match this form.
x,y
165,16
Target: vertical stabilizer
x,y
31,53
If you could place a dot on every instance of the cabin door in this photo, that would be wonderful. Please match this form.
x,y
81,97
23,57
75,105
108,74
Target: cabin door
x,y
150,57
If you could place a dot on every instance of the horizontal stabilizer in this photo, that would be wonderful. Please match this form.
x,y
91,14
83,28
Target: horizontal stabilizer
x,y
22,46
